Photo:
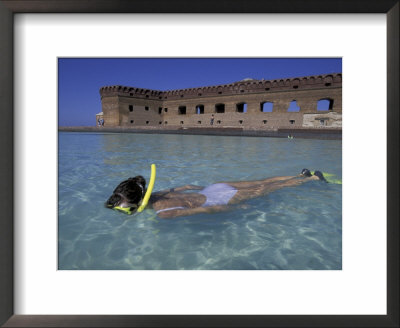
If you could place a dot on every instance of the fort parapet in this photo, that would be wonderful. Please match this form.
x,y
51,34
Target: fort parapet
x,y
301,102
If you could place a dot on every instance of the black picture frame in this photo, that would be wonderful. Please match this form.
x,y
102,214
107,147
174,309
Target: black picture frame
x,y
10,7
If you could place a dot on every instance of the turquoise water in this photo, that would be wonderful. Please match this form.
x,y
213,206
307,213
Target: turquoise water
x,y
297,228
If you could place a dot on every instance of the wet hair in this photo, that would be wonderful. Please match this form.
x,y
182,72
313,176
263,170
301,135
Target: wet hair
x,y
131,191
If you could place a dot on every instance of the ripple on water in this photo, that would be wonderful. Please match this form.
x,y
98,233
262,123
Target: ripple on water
x,y
291,229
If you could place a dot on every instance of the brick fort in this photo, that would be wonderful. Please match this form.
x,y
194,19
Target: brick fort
x,y
310,102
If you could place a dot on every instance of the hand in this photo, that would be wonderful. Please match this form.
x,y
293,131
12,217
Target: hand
x,y
188,187
244,206
193,187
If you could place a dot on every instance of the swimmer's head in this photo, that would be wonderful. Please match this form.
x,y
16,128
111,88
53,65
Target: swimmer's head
x,y
128,194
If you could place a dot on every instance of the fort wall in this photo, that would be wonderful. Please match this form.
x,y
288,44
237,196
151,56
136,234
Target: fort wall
x,y
240,104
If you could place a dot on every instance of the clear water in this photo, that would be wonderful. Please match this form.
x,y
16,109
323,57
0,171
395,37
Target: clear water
x,y
297,228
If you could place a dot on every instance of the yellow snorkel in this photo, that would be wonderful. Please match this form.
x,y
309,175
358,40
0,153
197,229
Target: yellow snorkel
x,y
126,210
149,189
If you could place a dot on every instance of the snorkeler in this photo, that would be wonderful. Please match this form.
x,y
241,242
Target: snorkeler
x,y
217,197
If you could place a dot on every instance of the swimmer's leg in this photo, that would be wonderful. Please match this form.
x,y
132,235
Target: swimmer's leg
x,y
250,184
264,189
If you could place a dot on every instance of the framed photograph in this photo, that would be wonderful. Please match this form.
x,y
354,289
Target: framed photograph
x,y
61,269
146,134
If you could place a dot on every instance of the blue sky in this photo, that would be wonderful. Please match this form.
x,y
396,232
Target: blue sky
x,y
79,79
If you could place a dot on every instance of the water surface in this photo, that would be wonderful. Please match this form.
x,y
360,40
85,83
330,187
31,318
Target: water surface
x,y
298,228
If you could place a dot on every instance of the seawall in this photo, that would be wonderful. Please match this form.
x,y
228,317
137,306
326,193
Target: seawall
x,y
323,133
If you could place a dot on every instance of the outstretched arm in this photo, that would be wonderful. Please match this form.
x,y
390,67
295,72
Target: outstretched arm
x,y
191,211
187,187
178,189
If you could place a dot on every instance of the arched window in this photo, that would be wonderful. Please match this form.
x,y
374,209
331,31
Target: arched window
x,y
200,109
293,107
241,108
325,104
220,108
182,110
266,107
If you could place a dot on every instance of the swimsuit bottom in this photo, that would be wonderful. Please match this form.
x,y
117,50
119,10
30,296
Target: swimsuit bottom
x,y
216,194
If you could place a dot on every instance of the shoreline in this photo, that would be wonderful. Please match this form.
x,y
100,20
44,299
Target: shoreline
x,y
303,133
